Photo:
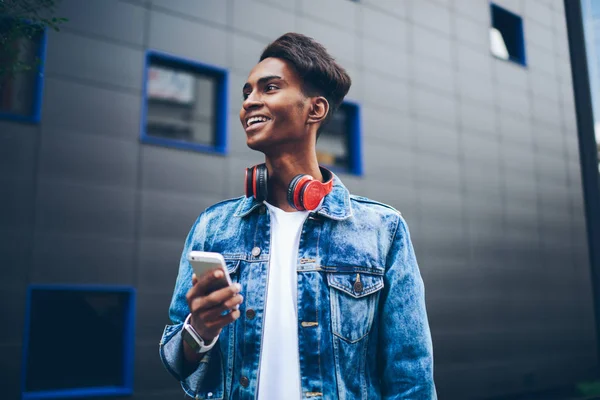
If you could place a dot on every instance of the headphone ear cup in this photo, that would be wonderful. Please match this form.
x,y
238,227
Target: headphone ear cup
x,y
262,188
311,194
299,187
248,180
292,189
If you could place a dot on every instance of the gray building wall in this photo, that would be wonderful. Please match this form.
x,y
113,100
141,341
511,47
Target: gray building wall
x,y
480,156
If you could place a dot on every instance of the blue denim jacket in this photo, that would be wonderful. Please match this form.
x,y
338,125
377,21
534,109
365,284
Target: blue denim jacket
x,y
362,325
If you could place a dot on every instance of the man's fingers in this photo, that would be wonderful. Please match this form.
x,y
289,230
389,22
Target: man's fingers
x,y
220,322
217,311
199,289
219,296
207,279
209,323
214,299
204,281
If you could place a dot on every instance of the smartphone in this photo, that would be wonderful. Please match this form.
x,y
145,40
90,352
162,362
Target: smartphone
x,y
204,261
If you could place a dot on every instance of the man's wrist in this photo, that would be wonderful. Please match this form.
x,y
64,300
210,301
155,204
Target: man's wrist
x,y
193,339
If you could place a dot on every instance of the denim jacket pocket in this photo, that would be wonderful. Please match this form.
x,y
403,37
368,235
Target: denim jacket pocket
x,y
232,268
353,299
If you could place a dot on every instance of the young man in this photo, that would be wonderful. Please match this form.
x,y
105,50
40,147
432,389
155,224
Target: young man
x,y
331,301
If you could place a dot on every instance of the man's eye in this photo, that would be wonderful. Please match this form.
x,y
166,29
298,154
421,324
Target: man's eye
x,y
271,87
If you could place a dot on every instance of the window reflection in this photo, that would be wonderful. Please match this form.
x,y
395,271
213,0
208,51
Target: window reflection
x,y
332,146
339,145
181,104
506,35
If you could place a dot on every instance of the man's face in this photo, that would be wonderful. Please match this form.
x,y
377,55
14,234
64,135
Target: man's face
x,y
275,110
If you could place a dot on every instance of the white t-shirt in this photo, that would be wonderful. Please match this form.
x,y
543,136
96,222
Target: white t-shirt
x,y
279,374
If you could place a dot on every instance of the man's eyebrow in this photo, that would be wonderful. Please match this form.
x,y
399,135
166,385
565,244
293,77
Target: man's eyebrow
x,y
263,80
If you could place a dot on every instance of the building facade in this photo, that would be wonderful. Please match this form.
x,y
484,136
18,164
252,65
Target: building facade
x,y
479,153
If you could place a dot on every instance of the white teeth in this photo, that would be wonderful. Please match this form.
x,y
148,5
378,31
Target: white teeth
x,y
254,120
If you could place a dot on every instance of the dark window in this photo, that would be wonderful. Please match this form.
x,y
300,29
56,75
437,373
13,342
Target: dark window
x,y
21,70
184,104
78,340
506,35
339,145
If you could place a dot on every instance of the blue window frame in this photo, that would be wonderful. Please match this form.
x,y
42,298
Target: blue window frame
x,y
78,341
21,92
507,41
339,145
184,104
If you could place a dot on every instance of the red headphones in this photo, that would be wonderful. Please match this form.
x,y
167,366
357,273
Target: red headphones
x,y
304,191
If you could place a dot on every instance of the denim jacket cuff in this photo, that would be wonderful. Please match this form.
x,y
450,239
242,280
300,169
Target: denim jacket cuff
x,y
172,356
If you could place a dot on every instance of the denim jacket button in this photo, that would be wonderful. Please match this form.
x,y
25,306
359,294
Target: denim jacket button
x,y
256,251
358,287
244,381
250,313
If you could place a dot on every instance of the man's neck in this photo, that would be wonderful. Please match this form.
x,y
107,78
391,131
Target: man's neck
x,y
282,169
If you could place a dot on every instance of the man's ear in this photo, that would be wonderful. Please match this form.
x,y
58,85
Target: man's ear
x,y
318,110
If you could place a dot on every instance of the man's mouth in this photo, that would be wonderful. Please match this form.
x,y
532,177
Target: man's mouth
x,y
256,122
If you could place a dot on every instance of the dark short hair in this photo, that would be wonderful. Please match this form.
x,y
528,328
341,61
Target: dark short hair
x,y
320,73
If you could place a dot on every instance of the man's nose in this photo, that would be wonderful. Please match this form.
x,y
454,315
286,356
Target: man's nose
x,y
252,101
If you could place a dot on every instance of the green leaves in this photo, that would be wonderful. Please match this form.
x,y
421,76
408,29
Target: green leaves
x,y
23,21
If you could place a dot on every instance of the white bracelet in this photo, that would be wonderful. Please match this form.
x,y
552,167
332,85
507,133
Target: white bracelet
x,y
203,346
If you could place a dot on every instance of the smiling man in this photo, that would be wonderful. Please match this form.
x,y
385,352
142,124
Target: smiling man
x,y
331,301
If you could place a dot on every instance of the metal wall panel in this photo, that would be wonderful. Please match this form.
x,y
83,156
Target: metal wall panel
x,y
481,157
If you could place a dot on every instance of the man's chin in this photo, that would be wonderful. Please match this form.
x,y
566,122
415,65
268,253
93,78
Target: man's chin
x,y
258,141
254,144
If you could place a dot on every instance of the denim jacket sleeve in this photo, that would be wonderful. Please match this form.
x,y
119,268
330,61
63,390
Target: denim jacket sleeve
x,y
171,343
405,350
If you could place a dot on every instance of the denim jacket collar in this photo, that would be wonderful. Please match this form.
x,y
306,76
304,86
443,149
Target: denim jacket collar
x,y
336,204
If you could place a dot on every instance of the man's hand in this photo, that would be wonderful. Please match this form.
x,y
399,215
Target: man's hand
x,y
207,307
